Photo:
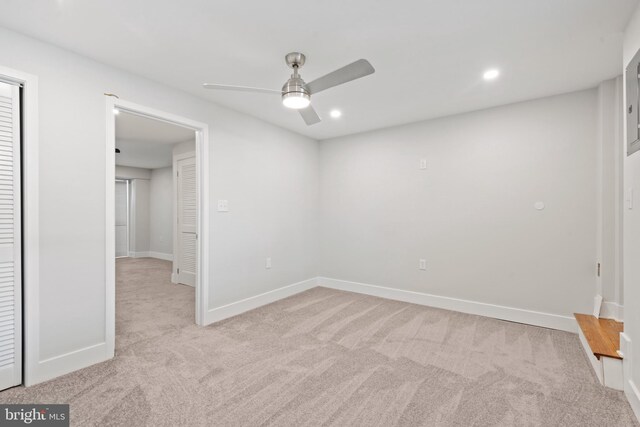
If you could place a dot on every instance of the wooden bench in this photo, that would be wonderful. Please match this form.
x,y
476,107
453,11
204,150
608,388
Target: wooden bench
x,y
601,341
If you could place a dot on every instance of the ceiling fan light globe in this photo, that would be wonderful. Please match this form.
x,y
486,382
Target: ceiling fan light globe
x,y
296,100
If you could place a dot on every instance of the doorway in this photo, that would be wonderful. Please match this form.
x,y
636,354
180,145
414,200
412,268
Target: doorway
x,y
144,189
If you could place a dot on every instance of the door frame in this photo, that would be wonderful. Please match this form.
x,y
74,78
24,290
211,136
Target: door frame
x,y
202,176
30,222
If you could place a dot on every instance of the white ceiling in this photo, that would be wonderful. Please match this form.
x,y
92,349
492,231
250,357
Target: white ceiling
x,y
147,143
429,54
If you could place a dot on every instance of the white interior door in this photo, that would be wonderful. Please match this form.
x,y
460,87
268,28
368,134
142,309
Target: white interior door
x,y
10,239
187,209
122,218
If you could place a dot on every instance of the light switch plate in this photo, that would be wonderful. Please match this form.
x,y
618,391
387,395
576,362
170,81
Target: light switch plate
x,y
422,264
629,198
423,163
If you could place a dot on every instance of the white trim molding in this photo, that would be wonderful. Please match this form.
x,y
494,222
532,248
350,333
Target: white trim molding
x,y
593,360
247,304
30,222
536,318
72,361
612,310
608,369
133,254
151,254
160,255
633,396
630,389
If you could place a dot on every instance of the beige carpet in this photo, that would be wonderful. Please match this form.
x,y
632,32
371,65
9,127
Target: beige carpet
x,y
326,357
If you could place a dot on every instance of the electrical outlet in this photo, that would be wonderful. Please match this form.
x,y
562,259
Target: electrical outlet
x,y
423,163
422,264
223,206
268,263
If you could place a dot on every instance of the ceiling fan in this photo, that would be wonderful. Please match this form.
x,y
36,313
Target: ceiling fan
x,y
296,94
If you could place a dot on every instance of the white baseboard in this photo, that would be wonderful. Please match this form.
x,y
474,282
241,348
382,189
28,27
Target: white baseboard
x,y
546,320
613,373
630,388
612,310
239,307
60,365
160,255
151,254
595,363
633,396
139,254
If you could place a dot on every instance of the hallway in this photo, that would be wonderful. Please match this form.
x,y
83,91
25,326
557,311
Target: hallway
x,y
147,303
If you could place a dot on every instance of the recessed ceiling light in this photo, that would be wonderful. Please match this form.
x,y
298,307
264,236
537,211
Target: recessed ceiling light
x,y
116,111
491,74
335,113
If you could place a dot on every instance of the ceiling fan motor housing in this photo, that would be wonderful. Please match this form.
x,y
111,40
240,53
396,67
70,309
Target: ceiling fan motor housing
x,y
294,92
295,85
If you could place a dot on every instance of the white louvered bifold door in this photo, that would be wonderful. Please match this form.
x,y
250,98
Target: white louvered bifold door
x,y
187,220
10,236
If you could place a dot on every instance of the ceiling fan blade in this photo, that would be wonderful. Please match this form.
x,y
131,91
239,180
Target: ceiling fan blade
x,y
309,116
239,88
353,71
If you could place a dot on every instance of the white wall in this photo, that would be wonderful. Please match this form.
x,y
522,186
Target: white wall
x,y
151,206
184,147
128,172
273,209
471,213
139,227
632,243
161,212
139,208
272,186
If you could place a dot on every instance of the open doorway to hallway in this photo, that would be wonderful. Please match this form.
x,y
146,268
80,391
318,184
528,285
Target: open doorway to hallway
x,y
155,227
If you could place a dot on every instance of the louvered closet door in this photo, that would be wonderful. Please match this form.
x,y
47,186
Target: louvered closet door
x,y
187,220
10,235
